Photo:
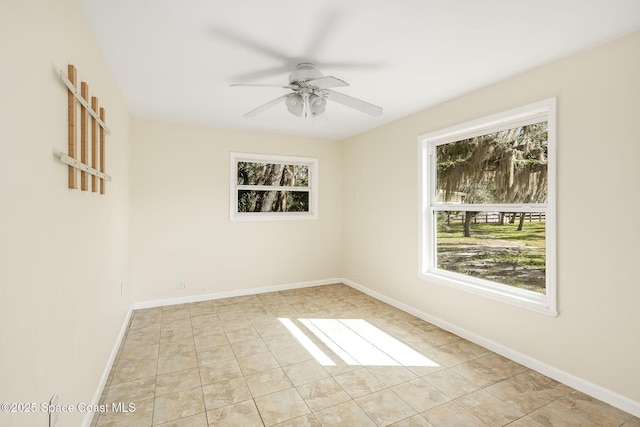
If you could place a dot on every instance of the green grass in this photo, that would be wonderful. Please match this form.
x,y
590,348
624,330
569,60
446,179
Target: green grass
x,y
532,232
494,252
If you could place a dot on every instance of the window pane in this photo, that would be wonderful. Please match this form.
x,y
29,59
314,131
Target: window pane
x,y
507,248
273,201
253,173
509,166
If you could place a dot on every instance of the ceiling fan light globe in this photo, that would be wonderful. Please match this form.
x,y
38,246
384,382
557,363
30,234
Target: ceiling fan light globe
x,y
317,105
294,104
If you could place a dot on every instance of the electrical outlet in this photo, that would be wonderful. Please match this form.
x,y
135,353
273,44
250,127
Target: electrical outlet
x,y
180,284
53,414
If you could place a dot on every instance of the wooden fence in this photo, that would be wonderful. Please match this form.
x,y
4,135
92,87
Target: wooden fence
x,y
495,217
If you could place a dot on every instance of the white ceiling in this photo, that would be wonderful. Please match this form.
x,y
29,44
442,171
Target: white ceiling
x,y
175,59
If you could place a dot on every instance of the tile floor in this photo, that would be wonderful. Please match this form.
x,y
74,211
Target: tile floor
x,y
324,356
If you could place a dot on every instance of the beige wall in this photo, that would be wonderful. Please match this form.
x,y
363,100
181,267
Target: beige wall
x,y
180,215
595,337
63,253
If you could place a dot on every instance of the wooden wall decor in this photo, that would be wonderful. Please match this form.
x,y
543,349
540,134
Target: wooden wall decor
x,y
91,129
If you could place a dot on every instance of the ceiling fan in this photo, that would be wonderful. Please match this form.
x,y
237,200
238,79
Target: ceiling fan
x,y
310,91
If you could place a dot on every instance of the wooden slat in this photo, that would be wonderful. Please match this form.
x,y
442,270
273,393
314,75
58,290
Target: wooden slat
x,y
75,92
81,166
84,131
94,141
71,149
102,151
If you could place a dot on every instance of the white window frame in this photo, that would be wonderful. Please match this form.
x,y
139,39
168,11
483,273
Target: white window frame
x,y
312,188
528,114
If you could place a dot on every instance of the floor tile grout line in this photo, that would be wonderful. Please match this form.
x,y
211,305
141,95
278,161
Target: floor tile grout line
x,y
295,306
195,350
512,378
244,375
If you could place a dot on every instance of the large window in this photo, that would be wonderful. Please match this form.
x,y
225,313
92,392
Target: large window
x,y
488,216
273,187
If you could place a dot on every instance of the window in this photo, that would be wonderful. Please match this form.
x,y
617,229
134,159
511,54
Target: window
x,y
265,187
488,206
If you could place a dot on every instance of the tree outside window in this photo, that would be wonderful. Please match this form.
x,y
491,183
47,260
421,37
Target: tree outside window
x,y
273,187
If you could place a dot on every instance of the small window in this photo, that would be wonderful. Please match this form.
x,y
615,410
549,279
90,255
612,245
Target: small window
x,y
488,197
265,187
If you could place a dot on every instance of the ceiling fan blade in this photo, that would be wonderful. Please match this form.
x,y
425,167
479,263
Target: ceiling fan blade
x,y
264,85
353,65
327,82
251,44
266,106
265,73
355,103
326,25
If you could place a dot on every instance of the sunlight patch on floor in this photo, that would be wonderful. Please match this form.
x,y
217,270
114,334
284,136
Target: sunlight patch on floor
x,y
356,342
313,349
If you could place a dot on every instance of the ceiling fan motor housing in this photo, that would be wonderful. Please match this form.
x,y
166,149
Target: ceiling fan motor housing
x,y
303,73
310,92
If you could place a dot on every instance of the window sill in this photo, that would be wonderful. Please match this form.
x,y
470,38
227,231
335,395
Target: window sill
x,y
529,300
255,216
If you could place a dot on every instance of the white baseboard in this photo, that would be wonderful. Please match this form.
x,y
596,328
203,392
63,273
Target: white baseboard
x,y
195,298
571,380
237,293
86,422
